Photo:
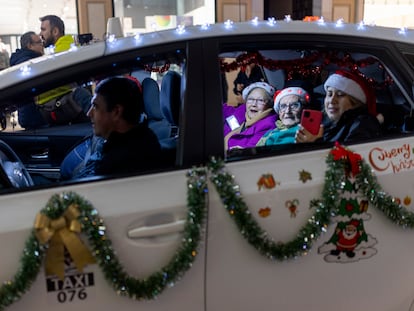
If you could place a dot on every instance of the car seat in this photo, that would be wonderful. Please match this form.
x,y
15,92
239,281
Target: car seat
x,y
389,100
156,120
170,101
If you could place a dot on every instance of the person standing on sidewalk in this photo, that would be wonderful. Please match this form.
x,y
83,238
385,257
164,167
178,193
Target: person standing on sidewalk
x,y
52,31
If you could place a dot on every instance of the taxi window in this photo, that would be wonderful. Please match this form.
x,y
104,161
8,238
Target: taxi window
x,y
272,95
52,132
410,58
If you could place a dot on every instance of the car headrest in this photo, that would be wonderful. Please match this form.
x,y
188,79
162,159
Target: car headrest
x,y
170,96
151,95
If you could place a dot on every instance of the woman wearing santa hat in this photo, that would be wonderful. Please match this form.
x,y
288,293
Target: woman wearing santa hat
x,y
350,108
288,104
243,130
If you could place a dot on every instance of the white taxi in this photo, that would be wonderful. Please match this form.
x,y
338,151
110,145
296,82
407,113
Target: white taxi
x,y
316,226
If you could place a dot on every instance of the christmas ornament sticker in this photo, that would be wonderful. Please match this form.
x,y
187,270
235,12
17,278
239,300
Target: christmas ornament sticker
x,y
265,212
349,242
304,176
267,181
292,206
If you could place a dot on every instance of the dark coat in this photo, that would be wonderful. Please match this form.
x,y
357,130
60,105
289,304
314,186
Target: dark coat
x,y
354,125
136,150
22,55
29,116
255,76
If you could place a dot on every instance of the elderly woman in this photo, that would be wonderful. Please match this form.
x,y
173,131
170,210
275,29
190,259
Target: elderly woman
x,y
289,104
350,108
259,117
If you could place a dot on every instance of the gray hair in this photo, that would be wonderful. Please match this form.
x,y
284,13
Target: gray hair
x,y
26,39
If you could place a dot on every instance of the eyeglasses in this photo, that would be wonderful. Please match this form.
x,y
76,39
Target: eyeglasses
x,y
291,106
259,101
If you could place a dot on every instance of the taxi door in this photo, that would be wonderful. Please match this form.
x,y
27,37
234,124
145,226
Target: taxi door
x,y
273,246
146,246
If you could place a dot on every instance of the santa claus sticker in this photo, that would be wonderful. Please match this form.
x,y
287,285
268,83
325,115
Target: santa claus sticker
x,y
349,242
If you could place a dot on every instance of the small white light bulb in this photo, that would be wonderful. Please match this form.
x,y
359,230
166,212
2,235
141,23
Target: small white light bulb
x,y
228,24
25,70
271,21
180,29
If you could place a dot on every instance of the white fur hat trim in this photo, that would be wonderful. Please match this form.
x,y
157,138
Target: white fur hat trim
x,y
346,85
293,90
263,85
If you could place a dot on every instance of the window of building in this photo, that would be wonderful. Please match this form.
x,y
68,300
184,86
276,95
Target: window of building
x,y
150,15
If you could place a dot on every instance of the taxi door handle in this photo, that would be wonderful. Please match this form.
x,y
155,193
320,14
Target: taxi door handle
x,y
150,231
40,156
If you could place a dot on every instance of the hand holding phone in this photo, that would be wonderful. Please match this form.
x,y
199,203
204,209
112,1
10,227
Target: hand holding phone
x,y
311,120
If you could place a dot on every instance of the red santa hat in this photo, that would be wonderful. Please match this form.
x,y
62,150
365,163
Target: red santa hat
x,y
355,86
262,85
293,90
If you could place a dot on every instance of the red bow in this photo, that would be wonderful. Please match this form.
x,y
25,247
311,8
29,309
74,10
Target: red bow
x,y
353,159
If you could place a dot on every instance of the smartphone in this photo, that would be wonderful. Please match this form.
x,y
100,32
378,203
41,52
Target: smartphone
x,y
232,122
311,120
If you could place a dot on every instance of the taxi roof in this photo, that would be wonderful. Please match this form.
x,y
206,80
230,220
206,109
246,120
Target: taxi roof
x,y
53,62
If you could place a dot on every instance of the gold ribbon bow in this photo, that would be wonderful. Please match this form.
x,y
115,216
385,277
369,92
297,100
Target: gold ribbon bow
x,y
62,233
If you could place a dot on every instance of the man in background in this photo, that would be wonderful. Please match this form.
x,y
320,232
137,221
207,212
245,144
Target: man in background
x,y
31,46
4,56
52,31
247,75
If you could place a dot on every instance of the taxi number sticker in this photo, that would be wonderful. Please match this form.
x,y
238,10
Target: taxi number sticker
x,y
72,287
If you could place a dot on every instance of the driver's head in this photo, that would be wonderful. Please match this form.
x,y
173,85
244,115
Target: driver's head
x,y
116,104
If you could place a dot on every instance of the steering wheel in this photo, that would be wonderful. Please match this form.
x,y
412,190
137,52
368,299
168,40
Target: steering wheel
x,y
13,168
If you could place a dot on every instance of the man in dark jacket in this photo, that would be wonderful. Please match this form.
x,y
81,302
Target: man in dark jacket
x,y
31,46
247,75
127,144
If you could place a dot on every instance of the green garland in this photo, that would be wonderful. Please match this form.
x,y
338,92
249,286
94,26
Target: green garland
x,y
95,229
250,229
387,204
324,208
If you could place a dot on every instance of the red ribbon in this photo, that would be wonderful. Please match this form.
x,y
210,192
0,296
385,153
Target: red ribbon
x,y
353,159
